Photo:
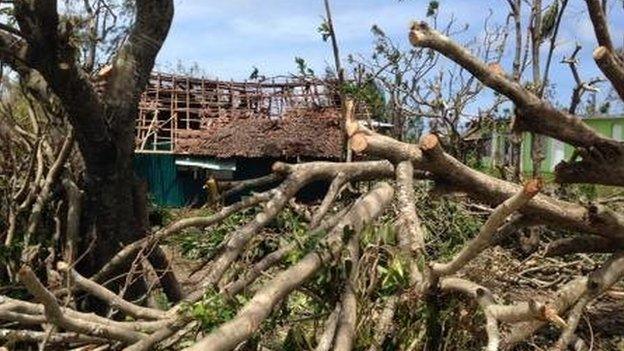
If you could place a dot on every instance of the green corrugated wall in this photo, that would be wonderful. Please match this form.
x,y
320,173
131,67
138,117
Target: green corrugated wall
x,y
167,186
603,126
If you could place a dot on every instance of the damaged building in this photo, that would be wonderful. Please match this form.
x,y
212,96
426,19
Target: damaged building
x,y
190,130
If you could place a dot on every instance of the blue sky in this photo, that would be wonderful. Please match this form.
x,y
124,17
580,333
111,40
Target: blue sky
x,y
227,38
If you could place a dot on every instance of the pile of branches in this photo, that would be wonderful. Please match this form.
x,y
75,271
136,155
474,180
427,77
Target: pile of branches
x,y
55,318
515,207
39,172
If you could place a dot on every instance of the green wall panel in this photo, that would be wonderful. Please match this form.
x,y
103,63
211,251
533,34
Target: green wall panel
x,y
167,185
603,126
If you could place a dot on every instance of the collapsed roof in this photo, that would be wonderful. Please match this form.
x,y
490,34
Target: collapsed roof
x,y
301,133
283,118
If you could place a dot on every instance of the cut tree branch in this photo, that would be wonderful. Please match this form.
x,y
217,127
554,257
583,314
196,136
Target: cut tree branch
x,y
12,335
599,21
582,244
110,297
326,339
234,188
298,176
276,256
334,190
57,317
533,114
447,170
612,67
345,332
128,252
410,234
249,318
51,179
488,230
385,325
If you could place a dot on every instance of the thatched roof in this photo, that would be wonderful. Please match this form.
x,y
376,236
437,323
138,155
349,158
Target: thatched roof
x,y
313,133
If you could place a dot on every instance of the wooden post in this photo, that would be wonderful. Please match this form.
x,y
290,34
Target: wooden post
x,y
218,97
231,98
188,103
174,109
202,113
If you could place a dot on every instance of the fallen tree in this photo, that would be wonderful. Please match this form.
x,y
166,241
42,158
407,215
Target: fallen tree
x,y
337,241
339,247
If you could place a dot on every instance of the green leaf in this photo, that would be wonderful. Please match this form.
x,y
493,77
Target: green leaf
x,y
254,73
548,20
433,7
324,30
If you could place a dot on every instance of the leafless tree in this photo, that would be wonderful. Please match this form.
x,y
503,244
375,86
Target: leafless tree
x,y
419,87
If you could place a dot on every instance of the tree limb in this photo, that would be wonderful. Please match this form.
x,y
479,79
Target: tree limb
x,y
533,114
298,176
410,234
612,67
582,244
276,256
44,194
334,190
128,252
599,21
248,319
482,187
345,331
488,230
56,316
110,297
326,339
12,335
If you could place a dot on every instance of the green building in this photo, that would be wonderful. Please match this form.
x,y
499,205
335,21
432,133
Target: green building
x,y
555,150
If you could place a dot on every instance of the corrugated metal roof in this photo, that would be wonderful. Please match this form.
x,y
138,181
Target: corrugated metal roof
x,y
215,165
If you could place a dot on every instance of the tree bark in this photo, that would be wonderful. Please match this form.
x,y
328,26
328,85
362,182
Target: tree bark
x,y
249,318
538,141
103,122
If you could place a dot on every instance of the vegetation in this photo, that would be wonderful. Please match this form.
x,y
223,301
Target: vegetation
x,y
410,247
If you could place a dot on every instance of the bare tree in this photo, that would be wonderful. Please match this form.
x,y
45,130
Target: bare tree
x,y
419,87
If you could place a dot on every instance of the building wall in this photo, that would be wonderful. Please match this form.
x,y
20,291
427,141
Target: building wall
x,y
168,186
610,127
172,185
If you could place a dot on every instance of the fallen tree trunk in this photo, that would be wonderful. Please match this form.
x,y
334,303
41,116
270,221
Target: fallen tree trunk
x,y
448,171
